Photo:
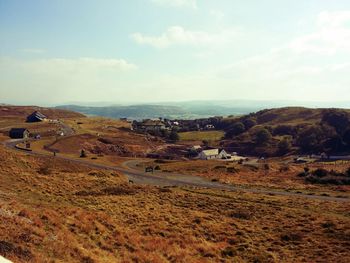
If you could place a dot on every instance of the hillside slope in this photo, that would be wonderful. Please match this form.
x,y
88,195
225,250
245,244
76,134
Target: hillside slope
x,y
291,129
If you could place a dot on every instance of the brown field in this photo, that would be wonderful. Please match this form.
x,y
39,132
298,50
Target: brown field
x,y
21,112
101,136
54,211
279,175
58,211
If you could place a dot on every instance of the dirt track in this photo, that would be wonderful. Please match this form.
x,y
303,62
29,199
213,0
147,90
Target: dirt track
x,y
137,176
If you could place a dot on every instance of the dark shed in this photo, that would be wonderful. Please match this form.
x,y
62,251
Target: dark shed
x,y
36,116
19,133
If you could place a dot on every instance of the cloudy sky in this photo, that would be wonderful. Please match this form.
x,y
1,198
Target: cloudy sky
x,y
59,51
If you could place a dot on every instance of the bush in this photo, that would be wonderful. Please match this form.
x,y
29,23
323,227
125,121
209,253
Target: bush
x,y
174,136
262,137
236,129
249,123
284,146
232,170
284,130
157,168
320,172
44,170
83,154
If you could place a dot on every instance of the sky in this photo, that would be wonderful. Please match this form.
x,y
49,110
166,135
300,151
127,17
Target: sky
x,y
139,51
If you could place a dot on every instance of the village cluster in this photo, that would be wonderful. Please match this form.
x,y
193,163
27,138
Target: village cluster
x,y
161,124
25,133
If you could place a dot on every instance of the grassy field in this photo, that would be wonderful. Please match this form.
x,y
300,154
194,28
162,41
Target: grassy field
x,y
57,211
201,135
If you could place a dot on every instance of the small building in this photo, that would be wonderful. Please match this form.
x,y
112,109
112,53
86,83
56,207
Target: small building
x,y
209,154
36,116
213,154
224,155
196,148
19,133
209,127
153,125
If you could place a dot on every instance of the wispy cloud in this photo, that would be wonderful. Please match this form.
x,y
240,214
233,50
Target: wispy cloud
x,y
33,50
332,35
177,35
63,78
75,64
177,3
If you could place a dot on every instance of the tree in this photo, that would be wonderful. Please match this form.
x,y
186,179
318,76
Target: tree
x,y
334,144
82,154
284,146
236,129
174,136
310,139
346,137
337,119
284,130
249,123
262,137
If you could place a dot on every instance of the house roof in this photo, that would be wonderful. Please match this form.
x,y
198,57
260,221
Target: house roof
x,y
196,147
19,131
211,152
153,123
38,115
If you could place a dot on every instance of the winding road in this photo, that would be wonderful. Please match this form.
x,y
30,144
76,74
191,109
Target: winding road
x,y
137,176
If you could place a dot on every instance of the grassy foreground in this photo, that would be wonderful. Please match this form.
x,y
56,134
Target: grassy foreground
x,y
56,211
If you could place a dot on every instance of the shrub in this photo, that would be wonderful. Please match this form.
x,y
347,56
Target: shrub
x,y
228,252
320,172
44,170
284,146
232,170
249,123
262,137
174,136
83,154
157,168
236,129
348,172
284,130
218,167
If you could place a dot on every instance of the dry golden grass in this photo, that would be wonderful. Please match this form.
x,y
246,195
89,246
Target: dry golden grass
x,y
279,175
201,136
103,136
57,211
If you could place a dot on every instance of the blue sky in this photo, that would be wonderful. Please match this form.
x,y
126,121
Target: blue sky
x,y
54,52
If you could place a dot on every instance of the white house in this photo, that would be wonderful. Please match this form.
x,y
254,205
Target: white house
x,y
223,155
196,148
209,127
209,154
213,154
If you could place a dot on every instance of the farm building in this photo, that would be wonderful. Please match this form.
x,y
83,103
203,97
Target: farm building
x,y
36,116
213,154
196,148
149,125
154,125
19,133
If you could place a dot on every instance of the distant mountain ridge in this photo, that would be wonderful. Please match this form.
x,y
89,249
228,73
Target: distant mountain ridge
x,y
172,111
192,109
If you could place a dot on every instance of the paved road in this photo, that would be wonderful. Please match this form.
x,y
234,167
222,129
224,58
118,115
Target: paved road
x,y
165,179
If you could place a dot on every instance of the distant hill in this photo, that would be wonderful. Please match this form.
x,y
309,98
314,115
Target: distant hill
x,y
190,109
186,110
291,129
24,111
